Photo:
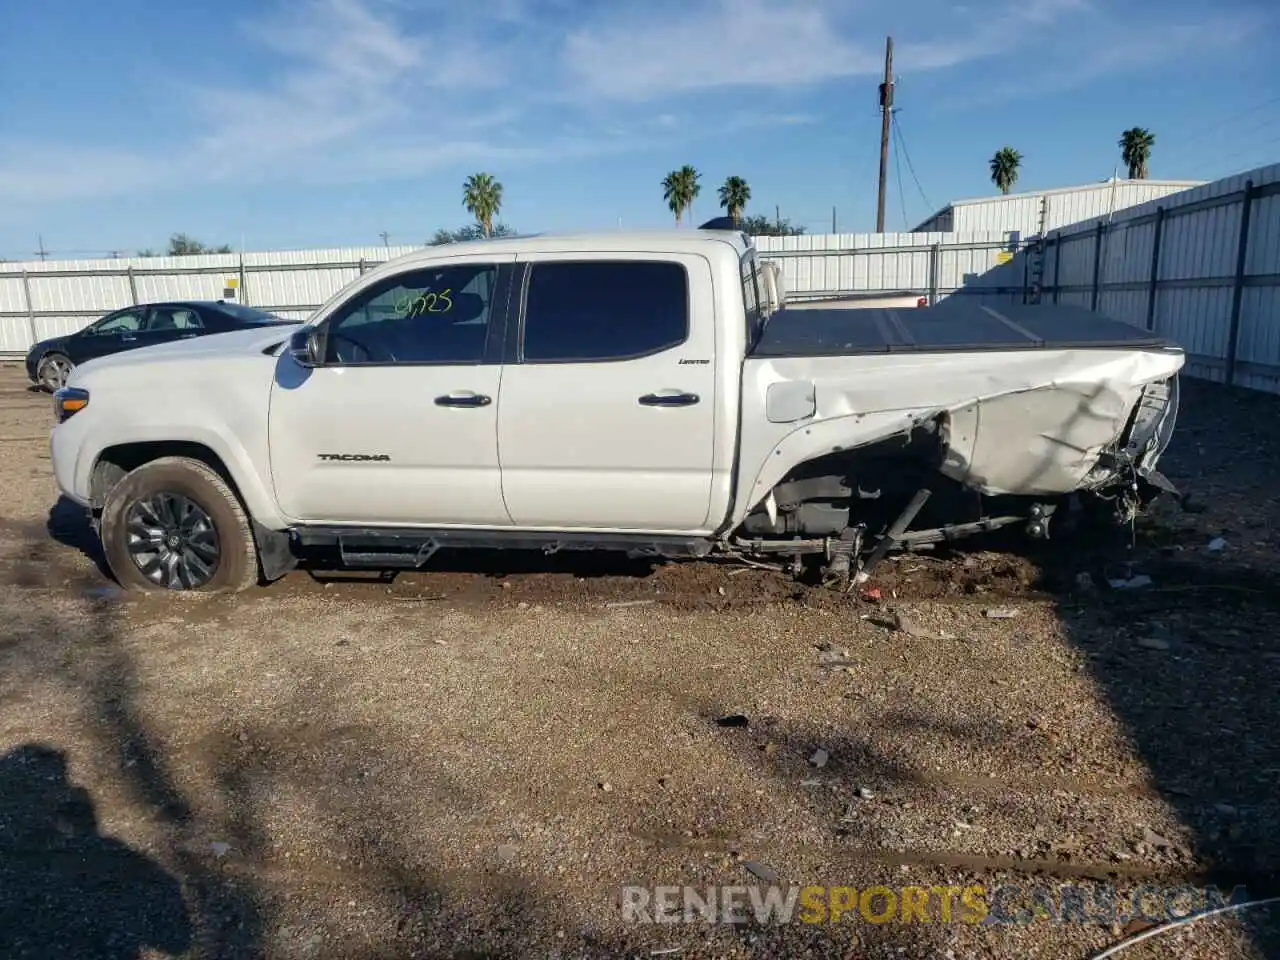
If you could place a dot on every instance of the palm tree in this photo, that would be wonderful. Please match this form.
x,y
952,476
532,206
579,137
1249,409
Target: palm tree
x,y
734,194
690,188
1135,149
482,196
671,192
679,188
1004,168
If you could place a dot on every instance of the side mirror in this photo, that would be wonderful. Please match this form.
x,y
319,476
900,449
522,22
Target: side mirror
x,y
304,347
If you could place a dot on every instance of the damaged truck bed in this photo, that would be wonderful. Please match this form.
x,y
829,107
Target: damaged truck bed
x,y
991,416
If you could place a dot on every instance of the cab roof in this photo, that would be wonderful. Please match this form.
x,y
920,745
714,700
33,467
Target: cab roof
x,y
630,241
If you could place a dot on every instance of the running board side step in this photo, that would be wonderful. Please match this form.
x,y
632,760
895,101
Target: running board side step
x,y
409,549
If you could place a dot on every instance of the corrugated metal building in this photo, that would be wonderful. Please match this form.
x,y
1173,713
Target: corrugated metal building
x,y
1030,214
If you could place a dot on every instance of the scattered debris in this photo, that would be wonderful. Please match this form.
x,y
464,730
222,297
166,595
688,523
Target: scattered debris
x,y
665,951
1084,582
219,848
904,624
105,592
606,786
1153,839
819,758
872,595
1132,583
1153,643
733,720
760,871
1217,545
862,793
1000,613
630,603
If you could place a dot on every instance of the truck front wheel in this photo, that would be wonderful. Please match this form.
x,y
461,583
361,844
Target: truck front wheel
x,y
175,524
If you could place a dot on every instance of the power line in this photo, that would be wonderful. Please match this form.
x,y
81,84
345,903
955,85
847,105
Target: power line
x,y
1196,138
897,175
897,129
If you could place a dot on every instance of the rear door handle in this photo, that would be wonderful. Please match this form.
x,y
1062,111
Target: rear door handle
x,y
669,399
467,399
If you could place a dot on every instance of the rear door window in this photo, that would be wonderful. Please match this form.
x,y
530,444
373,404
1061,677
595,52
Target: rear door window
x,y
601,310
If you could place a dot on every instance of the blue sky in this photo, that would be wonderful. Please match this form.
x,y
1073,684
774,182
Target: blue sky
x,y
303,123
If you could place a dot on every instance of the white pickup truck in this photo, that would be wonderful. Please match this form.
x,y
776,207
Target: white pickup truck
x,y
616,391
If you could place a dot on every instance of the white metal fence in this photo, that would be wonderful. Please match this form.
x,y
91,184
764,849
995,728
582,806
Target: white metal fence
x,y
1201,267
42,299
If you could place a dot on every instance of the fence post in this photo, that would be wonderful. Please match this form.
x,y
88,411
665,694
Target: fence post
x,y
1026,270
1097,265
1237,288
361,265
133,284
31,310
1154,277
935,254
244,288
1057,266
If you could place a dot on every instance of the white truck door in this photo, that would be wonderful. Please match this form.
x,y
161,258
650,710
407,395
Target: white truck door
x,y
398,424
607,419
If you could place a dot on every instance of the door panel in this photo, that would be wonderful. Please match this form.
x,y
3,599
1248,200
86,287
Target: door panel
x,y
399,425
167,324
608,419
112,334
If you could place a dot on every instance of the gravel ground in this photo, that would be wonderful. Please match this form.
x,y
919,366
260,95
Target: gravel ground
x,y
474,762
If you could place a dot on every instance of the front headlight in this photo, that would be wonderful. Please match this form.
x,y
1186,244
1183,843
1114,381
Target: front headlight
x,y
68,401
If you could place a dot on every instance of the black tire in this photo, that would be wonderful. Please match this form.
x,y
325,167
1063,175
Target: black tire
x,y
172,480
45,375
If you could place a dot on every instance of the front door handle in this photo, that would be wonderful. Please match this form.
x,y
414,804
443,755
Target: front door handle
x,y
127,336
185,336
669,399
467,399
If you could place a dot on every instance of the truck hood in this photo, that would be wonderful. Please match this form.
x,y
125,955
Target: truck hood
x,y
236,343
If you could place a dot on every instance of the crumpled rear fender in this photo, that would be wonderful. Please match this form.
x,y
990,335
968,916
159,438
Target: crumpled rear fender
x,y
1021,422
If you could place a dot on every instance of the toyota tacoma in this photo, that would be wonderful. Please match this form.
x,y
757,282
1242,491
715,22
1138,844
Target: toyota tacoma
x,y
633,392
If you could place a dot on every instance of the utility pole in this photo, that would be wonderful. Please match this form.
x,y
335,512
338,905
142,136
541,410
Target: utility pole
x,y
386,239
833,220
42,253
886,111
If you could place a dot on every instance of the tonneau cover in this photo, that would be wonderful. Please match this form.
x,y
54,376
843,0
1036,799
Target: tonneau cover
x,y
953,325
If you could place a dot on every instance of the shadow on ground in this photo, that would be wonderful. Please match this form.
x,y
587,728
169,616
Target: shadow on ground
x,y
65,889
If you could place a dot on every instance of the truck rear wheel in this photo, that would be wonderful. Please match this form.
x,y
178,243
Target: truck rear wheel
x,y
175,524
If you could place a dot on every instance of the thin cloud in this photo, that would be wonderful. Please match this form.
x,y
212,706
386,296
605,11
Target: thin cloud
x,y
636,55
375,89
631,54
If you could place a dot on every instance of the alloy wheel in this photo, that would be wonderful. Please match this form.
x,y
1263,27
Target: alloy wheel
x,y
173,541
53,372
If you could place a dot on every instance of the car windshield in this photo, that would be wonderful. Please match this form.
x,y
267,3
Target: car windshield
x,y
248,313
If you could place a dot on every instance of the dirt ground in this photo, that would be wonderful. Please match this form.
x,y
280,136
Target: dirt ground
x,y
476,761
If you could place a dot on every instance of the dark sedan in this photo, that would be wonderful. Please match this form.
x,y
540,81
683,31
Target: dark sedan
x,y
51,361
